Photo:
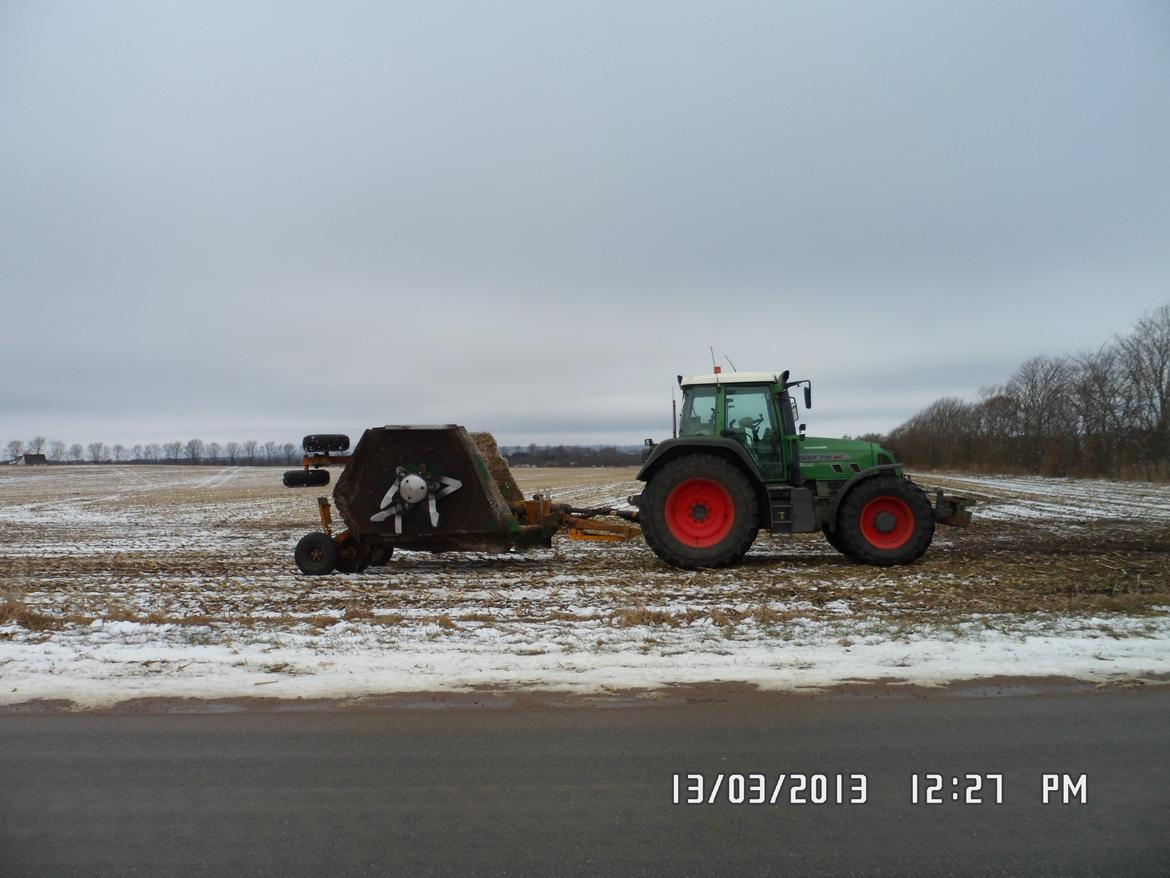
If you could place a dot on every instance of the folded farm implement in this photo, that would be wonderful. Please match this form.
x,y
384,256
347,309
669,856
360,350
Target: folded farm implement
x,y
739,464
430,488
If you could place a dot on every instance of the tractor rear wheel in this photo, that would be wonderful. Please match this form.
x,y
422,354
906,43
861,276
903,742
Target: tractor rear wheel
x,y
884,521
316,554
699,510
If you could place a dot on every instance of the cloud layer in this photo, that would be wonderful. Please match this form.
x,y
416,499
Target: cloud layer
x,y
233,222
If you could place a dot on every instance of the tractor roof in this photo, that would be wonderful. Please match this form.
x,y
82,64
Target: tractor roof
x,y
732,378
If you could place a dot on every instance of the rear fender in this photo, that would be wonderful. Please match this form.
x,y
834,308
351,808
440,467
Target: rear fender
x,y
672,448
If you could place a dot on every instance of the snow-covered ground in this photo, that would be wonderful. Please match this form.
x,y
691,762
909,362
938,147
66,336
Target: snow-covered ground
x,y
107,662
1059,501
128,582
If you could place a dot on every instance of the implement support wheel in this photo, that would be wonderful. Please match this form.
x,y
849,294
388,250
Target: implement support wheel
x,y
699,510
884,521
316,554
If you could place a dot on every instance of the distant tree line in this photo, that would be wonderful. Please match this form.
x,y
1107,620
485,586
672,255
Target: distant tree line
x,y
193,451
253,453
1102,413
571,455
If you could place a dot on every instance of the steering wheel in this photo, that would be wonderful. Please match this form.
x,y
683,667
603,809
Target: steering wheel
x,y
753,424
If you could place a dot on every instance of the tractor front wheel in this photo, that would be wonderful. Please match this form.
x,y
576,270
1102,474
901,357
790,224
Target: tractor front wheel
x,y
831,536
699,510
884,521
316,554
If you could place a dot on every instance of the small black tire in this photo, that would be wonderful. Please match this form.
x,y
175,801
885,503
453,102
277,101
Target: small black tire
x,y
323,443
380,555
885,521
316,554
353,557
699,510
306,478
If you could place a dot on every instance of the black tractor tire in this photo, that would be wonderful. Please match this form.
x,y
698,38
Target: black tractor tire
x,y
323,443
353,557
884,521
316,554
380,555
832,538
306,478
699,510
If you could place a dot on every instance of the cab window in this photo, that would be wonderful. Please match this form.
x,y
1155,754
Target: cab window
x,y
698,412
749,416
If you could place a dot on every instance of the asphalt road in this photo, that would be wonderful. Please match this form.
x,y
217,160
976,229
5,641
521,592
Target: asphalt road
x,y
588,791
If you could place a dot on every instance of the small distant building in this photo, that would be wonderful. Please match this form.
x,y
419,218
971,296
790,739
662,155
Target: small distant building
x,y
35,460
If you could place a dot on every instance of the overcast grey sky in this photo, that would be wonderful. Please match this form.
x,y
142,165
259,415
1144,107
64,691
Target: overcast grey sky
x,y
255,220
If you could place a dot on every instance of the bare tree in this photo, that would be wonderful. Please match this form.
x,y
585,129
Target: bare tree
x,y
270,452
1040,385
250,450
94,450
37,445
119,452
195,450
289,451
213,452
15,447
233,451
57,450
136,453
173,450
1145,359
76,452
152,452
1096,398
1100,413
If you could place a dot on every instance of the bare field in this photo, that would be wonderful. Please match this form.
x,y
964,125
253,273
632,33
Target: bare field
x,y
163,578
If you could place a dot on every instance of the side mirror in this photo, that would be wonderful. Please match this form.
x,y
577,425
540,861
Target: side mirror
x,y
802,436
808,396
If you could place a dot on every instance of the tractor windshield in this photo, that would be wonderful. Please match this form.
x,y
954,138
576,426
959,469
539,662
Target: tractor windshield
x,y
698,412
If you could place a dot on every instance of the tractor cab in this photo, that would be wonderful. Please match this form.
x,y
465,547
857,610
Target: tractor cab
x,y
752,409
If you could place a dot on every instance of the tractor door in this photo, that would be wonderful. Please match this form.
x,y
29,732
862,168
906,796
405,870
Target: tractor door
x,y
750,419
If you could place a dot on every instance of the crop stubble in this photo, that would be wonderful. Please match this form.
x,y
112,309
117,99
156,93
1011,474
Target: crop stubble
x,y
207,546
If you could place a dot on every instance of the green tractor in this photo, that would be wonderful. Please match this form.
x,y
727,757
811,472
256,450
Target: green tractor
x,y
740,463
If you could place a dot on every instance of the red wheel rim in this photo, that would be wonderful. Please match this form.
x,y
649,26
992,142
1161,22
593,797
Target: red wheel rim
x,y
887,522
700,513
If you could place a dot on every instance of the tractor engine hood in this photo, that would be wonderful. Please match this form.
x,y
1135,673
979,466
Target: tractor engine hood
x,y
825,458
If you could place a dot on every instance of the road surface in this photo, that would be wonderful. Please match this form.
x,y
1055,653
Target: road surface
x,y
500,791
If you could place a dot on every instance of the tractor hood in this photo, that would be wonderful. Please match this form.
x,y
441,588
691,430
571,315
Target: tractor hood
x,y
823,458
